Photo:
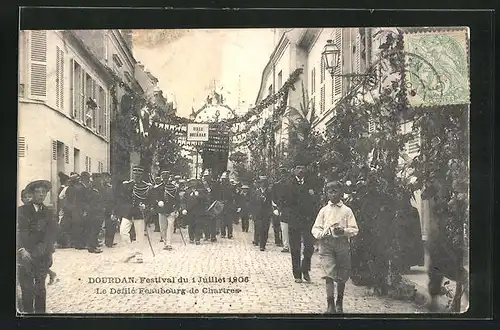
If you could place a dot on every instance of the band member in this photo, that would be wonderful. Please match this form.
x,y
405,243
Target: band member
x,y
211,189
299,209
244,206
167,201
228,198
37,231
134,197
333,227
95,218
196,208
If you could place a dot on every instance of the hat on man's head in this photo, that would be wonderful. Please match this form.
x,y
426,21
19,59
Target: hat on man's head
x,y
85,175
177,177
37,184
245,186
138,169
165,171
96,176
182,181
105,175
224,175
206,173
74,177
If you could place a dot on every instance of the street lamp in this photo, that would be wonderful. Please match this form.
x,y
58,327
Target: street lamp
x,y
331,58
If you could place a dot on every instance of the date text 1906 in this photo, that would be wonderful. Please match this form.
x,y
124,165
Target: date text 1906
x,y
219,279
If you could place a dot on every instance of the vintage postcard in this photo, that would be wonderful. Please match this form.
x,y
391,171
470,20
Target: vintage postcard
x,y
269,171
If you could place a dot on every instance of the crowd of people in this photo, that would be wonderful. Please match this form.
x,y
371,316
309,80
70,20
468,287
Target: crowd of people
x,y
306,215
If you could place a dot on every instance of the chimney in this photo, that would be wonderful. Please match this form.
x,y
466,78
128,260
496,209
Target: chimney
x,y
127,35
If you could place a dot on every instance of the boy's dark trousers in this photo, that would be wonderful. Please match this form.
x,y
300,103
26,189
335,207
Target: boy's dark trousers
x,y
33,291
245,223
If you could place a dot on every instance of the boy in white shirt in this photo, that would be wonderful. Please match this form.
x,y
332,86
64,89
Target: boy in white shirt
x,y
333,227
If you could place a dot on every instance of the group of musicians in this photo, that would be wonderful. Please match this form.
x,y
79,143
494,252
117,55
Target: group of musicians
x,y
209,208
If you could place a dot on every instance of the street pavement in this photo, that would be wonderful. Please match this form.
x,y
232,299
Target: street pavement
x,y
264,282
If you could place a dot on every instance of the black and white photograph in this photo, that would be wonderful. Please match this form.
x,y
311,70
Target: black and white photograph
x,y
243,171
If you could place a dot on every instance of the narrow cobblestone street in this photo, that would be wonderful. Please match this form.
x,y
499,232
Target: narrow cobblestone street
x,y
270,287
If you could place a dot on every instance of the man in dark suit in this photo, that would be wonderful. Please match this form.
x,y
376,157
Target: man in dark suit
x,y
263,209
95,219
37,229
299,208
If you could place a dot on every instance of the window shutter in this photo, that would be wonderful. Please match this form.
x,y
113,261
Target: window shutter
x,y
66,154
54,150
58,75
38,64
21,146
313,80
61,79
357,65
86,163
90,165
322,66
72,98
94,111
322,104
338,70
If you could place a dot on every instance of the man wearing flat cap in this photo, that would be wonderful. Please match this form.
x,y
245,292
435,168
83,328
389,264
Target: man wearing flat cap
x,y
134,195
37,231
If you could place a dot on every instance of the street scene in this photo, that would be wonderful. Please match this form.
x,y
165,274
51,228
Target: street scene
x,y
249,171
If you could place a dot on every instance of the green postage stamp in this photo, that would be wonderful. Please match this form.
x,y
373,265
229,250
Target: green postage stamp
x,y
438,70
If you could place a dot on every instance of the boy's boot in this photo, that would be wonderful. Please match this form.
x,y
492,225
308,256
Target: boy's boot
x,y
330,297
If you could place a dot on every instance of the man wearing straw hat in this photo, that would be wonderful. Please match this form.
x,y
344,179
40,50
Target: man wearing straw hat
x,y
37,231
134,196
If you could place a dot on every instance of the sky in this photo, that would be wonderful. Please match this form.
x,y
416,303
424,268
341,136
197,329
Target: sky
x,y
187,61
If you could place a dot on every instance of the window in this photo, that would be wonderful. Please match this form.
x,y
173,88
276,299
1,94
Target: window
x,y
59,79
88,164
78,91
100,167
357,54
280,79
412,147
21,146
38,64
101,118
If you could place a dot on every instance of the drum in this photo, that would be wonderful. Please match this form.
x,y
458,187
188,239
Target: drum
x,y
215,208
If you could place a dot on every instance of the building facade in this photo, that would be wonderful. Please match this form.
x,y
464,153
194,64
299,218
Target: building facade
x,y
302,48
64,108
